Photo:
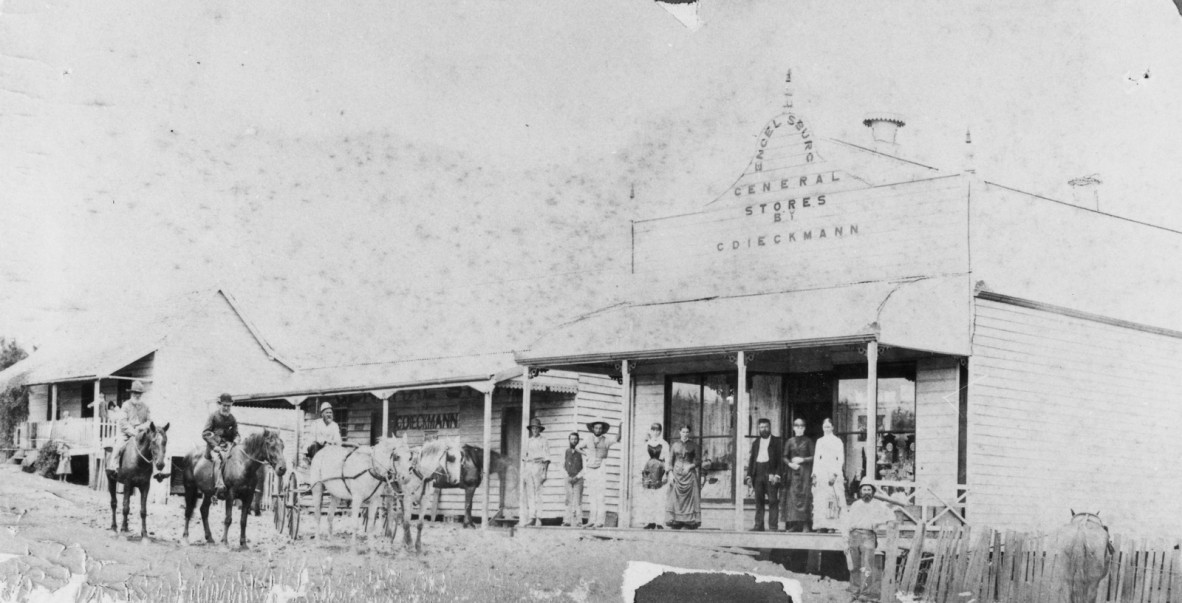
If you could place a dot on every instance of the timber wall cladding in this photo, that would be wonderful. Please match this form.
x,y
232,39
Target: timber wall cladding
x,y
1067,413
937,412
862,235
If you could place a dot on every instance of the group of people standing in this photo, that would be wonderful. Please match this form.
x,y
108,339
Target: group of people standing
x,y
807,475
585,467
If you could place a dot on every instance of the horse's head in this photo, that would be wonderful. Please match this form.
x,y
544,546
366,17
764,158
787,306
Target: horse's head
x,y
157,444
441,460
393,455
273,451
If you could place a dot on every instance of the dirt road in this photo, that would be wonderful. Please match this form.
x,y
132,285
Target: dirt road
x,y
55,537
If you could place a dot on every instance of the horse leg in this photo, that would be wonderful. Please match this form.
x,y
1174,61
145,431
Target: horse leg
x,y
112,485
333,504
419,529
190,504
247,497
469,491
229,518
127,488
317,499
355,513
206,501
144,510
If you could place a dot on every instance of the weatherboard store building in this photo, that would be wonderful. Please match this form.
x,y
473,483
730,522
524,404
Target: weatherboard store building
x,y
975,346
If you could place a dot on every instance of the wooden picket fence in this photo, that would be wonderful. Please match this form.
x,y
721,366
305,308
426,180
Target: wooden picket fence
x,y
964,564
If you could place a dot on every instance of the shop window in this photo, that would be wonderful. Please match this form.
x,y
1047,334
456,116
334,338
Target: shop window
x,y
706,403
892,457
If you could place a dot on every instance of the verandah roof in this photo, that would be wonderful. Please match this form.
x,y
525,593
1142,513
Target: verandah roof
x,y
928,314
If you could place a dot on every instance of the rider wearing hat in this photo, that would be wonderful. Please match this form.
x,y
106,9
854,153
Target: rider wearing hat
x,y
220,433
135,418
535,461
595,450
324,432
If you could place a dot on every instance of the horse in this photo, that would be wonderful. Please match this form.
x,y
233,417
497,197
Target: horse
x,y
1087,551
240,471
470,477
142,459
356,475
439,463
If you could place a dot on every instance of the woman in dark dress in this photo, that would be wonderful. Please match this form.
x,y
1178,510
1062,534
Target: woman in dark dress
x,y
798,479
684,509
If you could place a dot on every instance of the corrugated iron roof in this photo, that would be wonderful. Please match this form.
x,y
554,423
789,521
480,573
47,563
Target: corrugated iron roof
x,y
927,314
497,367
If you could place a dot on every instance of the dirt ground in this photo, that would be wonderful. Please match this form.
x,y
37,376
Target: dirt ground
x,y
55,544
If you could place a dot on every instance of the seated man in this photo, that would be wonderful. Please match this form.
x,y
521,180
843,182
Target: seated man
x,y
135,416
325,432
220,433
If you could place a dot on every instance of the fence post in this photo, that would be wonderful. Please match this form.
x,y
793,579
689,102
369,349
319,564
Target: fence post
x,y
886,591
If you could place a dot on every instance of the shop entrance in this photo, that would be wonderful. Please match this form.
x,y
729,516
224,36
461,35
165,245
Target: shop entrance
x,y
511,452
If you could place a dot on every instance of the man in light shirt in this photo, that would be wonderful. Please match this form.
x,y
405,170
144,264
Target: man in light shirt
x,y
535,461
864,516
763,475
595,450
325,432
136,416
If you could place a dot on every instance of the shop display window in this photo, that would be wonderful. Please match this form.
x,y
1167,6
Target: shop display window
x,y
707,402
892,457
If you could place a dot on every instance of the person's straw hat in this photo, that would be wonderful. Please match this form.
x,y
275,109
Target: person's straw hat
x,y
592,424
536,423
137,386
325,406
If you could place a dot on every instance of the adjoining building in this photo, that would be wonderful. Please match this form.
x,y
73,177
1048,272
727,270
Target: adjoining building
x,y
185,352
480,399
991,355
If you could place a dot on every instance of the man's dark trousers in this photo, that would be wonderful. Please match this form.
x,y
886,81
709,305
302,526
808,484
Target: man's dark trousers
x,y
761,483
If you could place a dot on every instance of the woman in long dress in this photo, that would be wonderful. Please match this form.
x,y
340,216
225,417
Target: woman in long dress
x,y
650,504
828,481
798,479
684,509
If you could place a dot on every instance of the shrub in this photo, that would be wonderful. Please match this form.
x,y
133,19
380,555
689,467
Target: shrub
x,y
47,458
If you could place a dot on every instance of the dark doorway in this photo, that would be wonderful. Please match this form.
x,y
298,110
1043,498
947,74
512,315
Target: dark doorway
x,y
511,451
810,397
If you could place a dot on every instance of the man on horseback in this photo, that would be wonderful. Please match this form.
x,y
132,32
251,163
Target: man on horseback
x,y
135,417
325,432
220,433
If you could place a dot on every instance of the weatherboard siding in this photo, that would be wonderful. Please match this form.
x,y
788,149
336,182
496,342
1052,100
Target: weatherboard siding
x,y
937,426
1067,413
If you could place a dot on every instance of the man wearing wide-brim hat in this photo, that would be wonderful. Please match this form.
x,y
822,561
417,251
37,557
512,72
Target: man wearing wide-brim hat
x,y
325,432
135,417
863,517
535,461
595,449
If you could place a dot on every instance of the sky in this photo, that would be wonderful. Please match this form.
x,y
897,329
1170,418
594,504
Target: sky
x,y
377,180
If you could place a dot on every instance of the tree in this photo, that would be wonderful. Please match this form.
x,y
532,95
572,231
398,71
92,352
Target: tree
x,y
14,401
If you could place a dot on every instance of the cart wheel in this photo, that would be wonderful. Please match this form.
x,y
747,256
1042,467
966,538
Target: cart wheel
x,y
292,505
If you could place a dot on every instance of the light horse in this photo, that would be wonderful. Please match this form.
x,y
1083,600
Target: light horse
x,y
356,475
1086,549
143,458
240,471
439,463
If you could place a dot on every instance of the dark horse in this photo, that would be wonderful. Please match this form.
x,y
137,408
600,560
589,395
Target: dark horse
x,y
470,477
1085,545
241,473
141,458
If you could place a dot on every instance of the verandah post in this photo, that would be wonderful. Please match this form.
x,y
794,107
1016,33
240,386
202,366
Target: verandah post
x,y
526,388
741,426
487,444
871,450
626,446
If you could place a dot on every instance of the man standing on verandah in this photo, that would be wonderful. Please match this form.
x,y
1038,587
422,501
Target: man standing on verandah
x,y
763,474
595,450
